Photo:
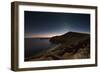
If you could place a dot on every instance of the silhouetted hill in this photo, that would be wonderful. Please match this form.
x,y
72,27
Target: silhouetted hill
x,y
71,45
70,37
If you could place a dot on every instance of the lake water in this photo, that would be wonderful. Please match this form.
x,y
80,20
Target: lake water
x,y
34,46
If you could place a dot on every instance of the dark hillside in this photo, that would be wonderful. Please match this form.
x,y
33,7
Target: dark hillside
x,y
72,45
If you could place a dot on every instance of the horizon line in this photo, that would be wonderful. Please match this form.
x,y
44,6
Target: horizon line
x,y
46,36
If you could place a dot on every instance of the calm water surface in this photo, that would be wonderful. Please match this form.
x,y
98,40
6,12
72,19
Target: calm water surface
x,y
34,46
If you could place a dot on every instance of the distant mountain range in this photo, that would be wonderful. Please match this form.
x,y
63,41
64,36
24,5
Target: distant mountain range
x,y
71,45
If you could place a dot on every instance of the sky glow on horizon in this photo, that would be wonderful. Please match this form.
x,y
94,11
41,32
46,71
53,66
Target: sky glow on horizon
x,y
49,24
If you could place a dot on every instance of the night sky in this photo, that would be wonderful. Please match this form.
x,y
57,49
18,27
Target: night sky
x,y
48,24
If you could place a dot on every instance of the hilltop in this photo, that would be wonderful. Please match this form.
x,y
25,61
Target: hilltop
x,y
71,45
